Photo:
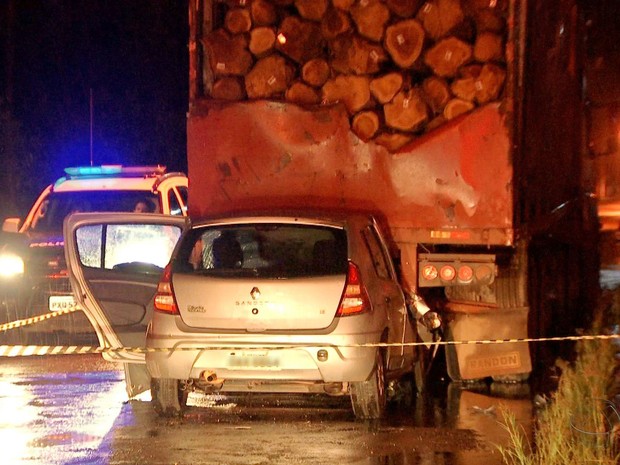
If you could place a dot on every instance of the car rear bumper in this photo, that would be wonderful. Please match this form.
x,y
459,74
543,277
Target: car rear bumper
x,y
302,357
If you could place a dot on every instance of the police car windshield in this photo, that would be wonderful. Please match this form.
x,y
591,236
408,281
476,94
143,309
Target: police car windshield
x,y
58,205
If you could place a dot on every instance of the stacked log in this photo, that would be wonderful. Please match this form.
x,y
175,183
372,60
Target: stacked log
x,y
400,67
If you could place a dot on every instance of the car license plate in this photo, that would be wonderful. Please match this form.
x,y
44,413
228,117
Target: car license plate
x,y
61,302
250,360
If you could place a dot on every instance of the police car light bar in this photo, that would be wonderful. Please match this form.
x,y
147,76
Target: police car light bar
x,y
113,170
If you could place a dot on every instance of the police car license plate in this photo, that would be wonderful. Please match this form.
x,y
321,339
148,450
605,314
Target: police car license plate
x,y
60,302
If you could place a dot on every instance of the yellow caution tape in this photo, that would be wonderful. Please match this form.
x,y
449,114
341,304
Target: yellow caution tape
x,y
21,351
36,319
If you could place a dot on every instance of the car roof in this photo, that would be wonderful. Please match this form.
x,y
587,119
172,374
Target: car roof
x,y
112,177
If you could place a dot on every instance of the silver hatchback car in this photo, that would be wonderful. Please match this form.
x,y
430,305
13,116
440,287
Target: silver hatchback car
x,y
279,304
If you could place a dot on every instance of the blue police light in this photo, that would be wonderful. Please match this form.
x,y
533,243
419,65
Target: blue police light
x,y
93,170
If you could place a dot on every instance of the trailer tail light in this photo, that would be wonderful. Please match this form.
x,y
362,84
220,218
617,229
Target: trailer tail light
x,y
484,273
429,272
354,298
164,297
466,274
447,273
435,270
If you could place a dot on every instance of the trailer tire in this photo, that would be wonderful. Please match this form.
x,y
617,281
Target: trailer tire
x,y
168,397
369,398
511,285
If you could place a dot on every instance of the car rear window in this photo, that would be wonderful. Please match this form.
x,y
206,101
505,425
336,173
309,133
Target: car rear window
x,y
264,250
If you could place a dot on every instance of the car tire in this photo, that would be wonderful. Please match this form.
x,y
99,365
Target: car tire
x,y
168,397
369,398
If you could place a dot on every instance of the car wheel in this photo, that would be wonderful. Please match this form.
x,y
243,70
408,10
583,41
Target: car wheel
x,y
168,398
368,398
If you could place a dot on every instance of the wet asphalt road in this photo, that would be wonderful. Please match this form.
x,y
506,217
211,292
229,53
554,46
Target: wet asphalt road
x,y
73,409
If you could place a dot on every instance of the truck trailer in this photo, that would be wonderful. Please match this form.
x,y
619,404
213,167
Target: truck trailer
x,y
459,123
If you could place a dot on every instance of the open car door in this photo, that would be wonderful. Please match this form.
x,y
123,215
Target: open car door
x,y
114,261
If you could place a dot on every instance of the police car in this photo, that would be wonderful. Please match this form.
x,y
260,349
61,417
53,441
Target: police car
x,y
33,276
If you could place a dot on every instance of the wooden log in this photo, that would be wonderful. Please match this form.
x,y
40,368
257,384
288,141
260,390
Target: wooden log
x,y
302,94
385,87
488,47
262,41
269,77
227,55
435,123
439,17
472,70
200,75
404,41
238,20
490,83
447,55
479,83
228,88
311,9
404,8
436,92
488,20
343,4
335,22
352,54
465,30
315,72
456,107
263,13
407,111
464,88
234,3
299,40
393,141
477,5
370,17
352,91
365,124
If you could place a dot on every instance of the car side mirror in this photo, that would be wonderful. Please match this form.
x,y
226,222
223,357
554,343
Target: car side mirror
x,y
11,225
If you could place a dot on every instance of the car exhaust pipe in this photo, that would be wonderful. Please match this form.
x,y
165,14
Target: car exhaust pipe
x,y
210,377
336,389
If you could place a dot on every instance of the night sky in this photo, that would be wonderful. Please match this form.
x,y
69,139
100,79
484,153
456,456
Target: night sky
x,y
131,55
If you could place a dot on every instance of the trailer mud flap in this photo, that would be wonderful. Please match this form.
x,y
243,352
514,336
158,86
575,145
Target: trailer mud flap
x,y
473,361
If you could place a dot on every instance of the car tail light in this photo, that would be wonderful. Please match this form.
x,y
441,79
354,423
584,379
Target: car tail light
x,y
354,298
164,297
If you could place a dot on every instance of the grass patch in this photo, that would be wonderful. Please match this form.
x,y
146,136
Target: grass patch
x,y
578,425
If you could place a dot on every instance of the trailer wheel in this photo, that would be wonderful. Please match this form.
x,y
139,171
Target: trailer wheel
x,y
510,286
369,398
168,397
